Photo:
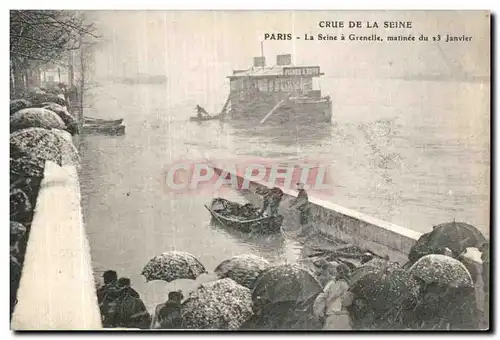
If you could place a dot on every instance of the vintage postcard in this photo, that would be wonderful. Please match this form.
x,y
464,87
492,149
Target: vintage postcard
x,y
249,170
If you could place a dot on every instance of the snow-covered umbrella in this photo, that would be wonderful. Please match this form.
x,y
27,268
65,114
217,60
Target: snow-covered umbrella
x,y
243,269
221,304
288,282
25,166
35,118
30,148
56,99
62,112
382,286
172,266
19,104
43,97
443,270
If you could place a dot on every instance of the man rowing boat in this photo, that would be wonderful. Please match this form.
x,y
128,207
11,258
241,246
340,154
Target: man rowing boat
x,y
201,111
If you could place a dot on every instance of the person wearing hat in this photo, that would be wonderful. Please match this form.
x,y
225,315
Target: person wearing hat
x,y
302,205
107,294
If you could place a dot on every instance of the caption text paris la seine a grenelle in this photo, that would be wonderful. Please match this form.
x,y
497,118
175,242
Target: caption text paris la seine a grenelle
x,y
387,25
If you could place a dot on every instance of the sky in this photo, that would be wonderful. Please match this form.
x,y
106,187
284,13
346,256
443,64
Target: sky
x,y
205,46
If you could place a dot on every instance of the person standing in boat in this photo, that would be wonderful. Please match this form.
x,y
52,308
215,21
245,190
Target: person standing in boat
x,y
201,111
272,199
302,204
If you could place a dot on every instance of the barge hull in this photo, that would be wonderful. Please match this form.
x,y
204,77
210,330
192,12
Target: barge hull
x,y
307,110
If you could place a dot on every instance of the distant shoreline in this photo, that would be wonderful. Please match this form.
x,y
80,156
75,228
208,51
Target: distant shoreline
x,y
436,78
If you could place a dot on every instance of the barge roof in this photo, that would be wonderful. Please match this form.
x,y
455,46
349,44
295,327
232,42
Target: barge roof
x,y
267,71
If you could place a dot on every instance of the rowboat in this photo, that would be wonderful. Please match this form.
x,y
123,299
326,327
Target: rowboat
x,y
104,129
90,120
203,118
229,215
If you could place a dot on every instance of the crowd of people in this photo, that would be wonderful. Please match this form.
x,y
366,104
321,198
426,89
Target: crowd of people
x,y
121,306
343,304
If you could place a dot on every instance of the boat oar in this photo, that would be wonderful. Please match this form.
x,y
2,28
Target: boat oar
x,y
333,254
275,108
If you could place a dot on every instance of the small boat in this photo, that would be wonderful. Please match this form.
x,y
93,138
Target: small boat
x,y
229,214
90,120
203,118
104,129
204,115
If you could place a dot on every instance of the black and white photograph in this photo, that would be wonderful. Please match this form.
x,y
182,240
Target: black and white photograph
x,y
250,170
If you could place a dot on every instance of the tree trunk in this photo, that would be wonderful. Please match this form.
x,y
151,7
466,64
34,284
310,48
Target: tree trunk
x,y
18,79
11,80
30,82
36,77
82,81
71,76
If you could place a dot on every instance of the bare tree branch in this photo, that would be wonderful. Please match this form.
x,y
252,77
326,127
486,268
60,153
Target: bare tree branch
x,y
46,34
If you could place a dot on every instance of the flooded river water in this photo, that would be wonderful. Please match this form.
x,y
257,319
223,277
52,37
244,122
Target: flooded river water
x,y
397,151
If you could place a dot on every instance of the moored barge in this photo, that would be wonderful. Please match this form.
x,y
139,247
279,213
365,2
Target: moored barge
x,y
279,93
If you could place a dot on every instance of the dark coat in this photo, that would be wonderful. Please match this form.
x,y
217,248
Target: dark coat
x,y
169,315
284,316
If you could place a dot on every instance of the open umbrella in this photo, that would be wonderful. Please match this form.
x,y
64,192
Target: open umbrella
x,y
35,117
43,97
30,148
63,113
25,166
465,235
383,286
445,307
19,104
457,236
56,99
244,269
221,304
288,282
443,270
172,266
287,315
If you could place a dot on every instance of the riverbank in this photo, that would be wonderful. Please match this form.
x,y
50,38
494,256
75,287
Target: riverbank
x,y
57,290
53,287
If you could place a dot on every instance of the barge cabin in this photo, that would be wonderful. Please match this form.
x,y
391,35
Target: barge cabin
x,y
279,93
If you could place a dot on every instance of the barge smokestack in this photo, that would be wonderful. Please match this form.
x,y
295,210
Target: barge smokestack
x,y
283,59
259,62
